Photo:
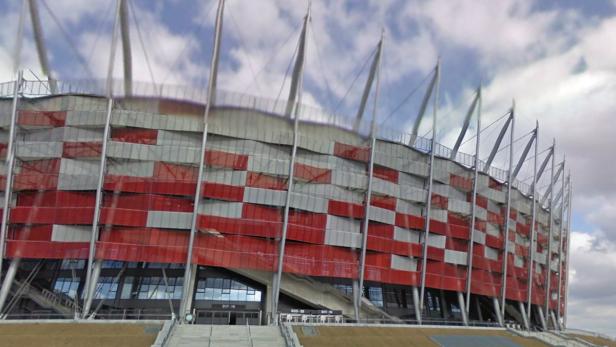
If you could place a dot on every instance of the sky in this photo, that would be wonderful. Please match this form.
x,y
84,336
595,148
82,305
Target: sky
x,y
556,59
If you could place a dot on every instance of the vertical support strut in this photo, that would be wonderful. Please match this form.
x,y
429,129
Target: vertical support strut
x,y
533,233
189,271
366,222
298,69
91,270
467,122
497,143
424,252
424,104
548,296
567,258
293,106
469,262
8,189
533,139
507,213
126,51
41,50
560,246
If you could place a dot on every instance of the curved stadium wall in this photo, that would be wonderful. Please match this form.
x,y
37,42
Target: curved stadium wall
x,y
151,174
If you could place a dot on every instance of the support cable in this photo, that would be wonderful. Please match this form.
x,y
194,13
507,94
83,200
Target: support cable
x,y
271,58
486,128
197,31
99,29
286,74
321,67
245,46
408,97
369,58
67,37
132,12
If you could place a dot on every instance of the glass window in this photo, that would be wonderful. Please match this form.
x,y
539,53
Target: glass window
x,y
67,286
375,294
106,288
219,289
127,288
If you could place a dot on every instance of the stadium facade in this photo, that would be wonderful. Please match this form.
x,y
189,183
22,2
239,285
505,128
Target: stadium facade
x,y
126,200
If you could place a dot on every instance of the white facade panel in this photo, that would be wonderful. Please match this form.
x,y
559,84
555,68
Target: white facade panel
x,y
71,233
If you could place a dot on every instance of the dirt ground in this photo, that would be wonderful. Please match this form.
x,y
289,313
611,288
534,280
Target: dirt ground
x,y
596,340
77,334
393,337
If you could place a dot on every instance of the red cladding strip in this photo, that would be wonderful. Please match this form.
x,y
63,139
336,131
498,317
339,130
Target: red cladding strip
x,y
226,160
146,185
312,174
42,118
386,202
47,250
409,221
81,149
482,201
56,198
149,202
260,212
259,180
123,217
225,192
386,173
460,182
439,201
352,152
51,215
32,233
168,171
381,230
135,135
345,209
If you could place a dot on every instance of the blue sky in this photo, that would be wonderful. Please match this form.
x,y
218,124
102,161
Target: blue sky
x,y
555,58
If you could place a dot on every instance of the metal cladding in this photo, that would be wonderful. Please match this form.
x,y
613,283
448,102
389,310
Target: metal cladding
x,y
153,153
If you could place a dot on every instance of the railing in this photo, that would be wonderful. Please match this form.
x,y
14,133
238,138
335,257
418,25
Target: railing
x,y
124,314
275,107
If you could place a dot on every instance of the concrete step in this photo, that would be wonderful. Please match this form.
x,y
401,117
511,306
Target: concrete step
x,y
226,335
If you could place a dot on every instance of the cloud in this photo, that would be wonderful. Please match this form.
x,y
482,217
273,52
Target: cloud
x,y
591,289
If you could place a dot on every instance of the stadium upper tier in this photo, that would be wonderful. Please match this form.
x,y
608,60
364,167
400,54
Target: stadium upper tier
x,y
150,176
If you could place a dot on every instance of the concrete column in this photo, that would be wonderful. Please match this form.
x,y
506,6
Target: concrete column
x,y
478,307
356,299
554,321
267,317
91,288
524,316
188,293
8,281
444,308
463,310
416,304
497,311
542,318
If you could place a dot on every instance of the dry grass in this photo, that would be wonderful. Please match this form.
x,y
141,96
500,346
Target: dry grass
x,y
596,340
394,336
69,335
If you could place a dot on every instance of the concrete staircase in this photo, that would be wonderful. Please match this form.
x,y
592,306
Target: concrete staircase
x,y
187,335
317,294
62,304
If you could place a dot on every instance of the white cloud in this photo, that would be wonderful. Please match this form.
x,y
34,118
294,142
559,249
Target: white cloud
x,y
591,285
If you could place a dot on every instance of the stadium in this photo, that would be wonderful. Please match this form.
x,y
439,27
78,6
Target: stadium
x,y
132,201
